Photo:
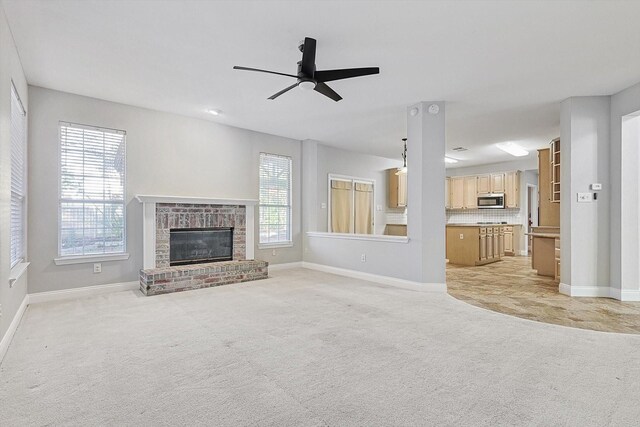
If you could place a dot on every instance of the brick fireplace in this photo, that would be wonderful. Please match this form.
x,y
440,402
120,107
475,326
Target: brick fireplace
x,y
163,215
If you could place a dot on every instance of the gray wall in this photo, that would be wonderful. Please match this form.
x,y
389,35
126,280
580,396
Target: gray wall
x,y
342,162
167,154
10,69
585,146
625,181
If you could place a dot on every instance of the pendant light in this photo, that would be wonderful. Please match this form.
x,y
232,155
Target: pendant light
x,y
403,169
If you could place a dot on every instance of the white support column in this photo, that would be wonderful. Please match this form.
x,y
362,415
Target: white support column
x,y
426,218
250,231
149,235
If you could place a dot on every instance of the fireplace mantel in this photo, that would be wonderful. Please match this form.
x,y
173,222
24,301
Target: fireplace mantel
x,y
149,220
195,200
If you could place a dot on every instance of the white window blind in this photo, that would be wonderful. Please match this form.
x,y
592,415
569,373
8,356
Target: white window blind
x,y
92,182
18,177
275,199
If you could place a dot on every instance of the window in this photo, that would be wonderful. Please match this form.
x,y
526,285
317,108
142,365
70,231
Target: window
x,y
275,199
351,209
92,179
18,177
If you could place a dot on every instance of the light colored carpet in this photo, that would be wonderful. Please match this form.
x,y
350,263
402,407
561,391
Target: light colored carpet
x,y
304,349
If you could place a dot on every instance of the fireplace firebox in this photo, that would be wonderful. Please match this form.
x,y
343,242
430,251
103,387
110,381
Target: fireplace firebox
x,y
200,245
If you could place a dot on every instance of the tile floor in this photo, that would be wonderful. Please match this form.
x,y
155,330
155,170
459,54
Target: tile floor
x,y
512,287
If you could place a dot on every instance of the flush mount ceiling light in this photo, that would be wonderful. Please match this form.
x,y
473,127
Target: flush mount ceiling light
x,y
215,112
450,160
307,84
513,149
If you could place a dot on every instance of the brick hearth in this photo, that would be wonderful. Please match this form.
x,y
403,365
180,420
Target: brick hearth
x,y
157,281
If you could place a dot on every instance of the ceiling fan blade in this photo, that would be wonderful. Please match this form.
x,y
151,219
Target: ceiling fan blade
x,y
347,73
309,57
274,96
236,67
327,91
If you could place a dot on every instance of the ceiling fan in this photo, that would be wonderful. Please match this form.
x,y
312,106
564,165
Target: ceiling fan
x,y
310,78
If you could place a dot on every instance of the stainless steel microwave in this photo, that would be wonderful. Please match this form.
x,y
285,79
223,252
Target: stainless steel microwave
x,y
491,201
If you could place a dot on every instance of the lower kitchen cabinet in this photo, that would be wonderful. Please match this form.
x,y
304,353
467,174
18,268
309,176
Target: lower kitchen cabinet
x,y
471,245
512,238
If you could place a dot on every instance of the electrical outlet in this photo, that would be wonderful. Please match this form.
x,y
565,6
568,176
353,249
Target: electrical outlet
x,y
323,206
379,208
363,258
461,236
273,252
97,267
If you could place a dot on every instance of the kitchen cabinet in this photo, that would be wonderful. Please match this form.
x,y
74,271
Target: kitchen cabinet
x,y
463,191
447,193
512,189
549,211
457,192
472,245
501,242
397,188
395,230
512,237
470,192
484,184
497,182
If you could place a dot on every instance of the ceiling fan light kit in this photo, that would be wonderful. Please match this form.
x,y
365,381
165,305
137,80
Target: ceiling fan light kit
x,y
309,78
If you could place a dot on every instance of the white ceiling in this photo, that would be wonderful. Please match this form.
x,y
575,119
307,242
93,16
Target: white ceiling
x,y
503,67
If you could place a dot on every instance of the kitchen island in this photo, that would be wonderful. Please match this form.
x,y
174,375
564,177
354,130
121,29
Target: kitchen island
x,y
479,244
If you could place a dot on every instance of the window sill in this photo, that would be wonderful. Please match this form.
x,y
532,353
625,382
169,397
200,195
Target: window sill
x,y
85,259
368,237
18,270
275,245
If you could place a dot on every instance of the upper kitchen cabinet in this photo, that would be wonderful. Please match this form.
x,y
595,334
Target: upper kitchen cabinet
x,y
491,183
456,192
470,192
512,189
397,188
447,193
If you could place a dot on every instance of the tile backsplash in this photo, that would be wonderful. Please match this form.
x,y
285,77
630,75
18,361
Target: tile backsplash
x,y
511,216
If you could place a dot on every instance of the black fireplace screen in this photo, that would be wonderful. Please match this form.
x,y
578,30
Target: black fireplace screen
x,y
198,245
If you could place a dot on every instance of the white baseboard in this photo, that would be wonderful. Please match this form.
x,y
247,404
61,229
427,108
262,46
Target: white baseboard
x,y
8,336
86,291
524,253
599,292
385,280
286,266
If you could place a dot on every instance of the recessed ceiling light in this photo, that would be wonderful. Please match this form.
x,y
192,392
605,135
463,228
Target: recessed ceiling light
x,y
215,112
513,149
450,160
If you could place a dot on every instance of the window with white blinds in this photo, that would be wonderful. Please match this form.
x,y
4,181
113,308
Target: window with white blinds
x,y
275,199
18,177
92,180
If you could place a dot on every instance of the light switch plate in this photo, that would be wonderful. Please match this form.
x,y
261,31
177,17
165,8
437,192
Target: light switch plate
x,y
585,197
323,205
596,186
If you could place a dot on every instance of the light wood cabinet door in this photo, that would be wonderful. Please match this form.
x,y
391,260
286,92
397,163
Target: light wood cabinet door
x,y
397,188
447,193
496,245
402,190
484,184
457,193
508,242
512,189
470,192
497,182
483,247
501,244
489,245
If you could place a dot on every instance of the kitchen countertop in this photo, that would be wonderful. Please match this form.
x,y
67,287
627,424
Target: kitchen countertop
x,y
483,225
545,235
